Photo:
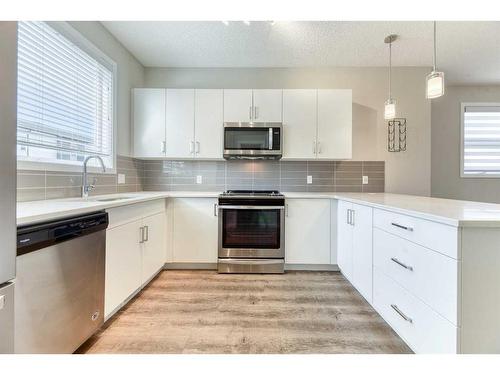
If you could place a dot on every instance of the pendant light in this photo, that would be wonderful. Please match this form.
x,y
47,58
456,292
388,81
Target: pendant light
x,y
390,104
435,80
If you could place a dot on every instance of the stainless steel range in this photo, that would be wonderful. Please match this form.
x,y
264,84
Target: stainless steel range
x,y
251,232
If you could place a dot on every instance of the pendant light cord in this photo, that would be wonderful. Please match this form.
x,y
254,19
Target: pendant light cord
x,y
434,56
390,70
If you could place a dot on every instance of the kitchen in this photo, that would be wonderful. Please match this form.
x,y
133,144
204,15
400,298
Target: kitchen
x,y
173,195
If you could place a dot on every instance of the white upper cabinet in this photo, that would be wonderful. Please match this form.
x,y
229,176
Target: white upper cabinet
x,y
180,123
149,122
334,124
299,123
238,105
307,231
208,123
267,105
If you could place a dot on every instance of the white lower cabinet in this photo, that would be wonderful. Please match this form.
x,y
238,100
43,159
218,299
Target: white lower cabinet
x,y
135,250
423,329
153,248
195,230
354,245
307,231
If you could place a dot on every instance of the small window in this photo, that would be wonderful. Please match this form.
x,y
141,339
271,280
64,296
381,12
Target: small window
x,y
65,97
480,147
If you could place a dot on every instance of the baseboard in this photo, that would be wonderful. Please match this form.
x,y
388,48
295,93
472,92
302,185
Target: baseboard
x,y
289,267
311,267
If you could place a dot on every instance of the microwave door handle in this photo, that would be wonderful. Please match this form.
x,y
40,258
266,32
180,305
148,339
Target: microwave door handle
x,y
270,138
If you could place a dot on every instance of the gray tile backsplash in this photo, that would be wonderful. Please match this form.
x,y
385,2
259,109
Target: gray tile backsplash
x,y
174,175
39,184
291,176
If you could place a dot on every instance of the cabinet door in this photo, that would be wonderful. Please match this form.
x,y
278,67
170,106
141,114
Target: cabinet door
x,y
180,123
237,105
307,231
154,248
195,230
362,254
299,124
267,105
123,264
208,123
334,124
149,122
344,239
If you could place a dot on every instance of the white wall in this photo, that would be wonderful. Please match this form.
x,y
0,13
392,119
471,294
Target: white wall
x,y
446,180
130,74
406,172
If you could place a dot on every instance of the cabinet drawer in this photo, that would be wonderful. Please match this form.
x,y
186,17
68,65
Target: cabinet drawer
x,y
428,275
439,237
423,329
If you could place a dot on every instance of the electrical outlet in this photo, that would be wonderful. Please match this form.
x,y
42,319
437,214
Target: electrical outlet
x,y
309,179
365,180
198,179
121,178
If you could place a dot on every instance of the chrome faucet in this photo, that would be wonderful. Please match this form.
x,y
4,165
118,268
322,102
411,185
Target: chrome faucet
x,y
86,188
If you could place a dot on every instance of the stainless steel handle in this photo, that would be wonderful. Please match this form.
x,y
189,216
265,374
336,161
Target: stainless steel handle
x,y
348,218
197,147
270,138
314,147
353,217
286,210
250,113
147,233
409,229
142,234
395,260
402,314
191,147
215,209
251,208
163,147
319,147
255,113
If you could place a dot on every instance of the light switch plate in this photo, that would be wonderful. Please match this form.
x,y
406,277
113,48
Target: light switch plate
x,y
199,179
2,302
309,179
121,178
365,180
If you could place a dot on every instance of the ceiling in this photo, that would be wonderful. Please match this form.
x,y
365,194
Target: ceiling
x,y
468,52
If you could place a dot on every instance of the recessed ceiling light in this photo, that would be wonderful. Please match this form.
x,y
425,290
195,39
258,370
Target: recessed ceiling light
x,y
225,22
246,23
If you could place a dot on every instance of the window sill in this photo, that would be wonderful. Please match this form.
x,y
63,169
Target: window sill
x,y
57,167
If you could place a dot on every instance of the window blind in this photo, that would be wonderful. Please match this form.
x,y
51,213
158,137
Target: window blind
x,y
481,137
65,96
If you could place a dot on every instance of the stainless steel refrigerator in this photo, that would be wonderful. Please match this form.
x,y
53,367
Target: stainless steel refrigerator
x,y
8,111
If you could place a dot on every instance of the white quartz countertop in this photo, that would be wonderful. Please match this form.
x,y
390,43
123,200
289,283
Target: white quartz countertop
x,y
446,211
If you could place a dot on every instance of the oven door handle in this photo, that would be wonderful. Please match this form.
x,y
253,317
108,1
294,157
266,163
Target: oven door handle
x,y
251,207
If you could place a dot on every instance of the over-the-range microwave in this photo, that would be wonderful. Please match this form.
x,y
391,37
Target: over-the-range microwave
x,y
253,140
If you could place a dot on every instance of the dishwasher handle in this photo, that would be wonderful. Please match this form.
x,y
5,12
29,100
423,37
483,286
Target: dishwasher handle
x,y
35,237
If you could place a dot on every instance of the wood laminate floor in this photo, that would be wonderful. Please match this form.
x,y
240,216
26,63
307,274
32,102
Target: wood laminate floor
x,y
204,312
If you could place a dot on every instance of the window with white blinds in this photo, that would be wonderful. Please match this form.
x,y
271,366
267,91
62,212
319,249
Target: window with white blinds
x,y
65,98
481,140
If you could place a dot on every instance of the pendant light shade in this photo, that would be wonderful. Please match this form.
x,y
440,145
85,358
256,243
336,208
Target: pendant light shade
x,y
435,80
390,104
390,109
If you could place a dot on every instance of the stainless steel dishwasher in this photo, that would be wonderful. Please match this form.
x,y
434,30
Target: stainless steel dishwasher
x,y
59,294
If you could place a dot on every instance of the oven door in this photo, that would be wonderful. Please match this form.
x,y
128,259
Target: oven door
x,y
251,232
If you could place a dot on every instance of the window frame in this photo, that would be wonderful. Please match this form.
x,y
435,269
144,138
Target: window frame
x,y
74,36
463,105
